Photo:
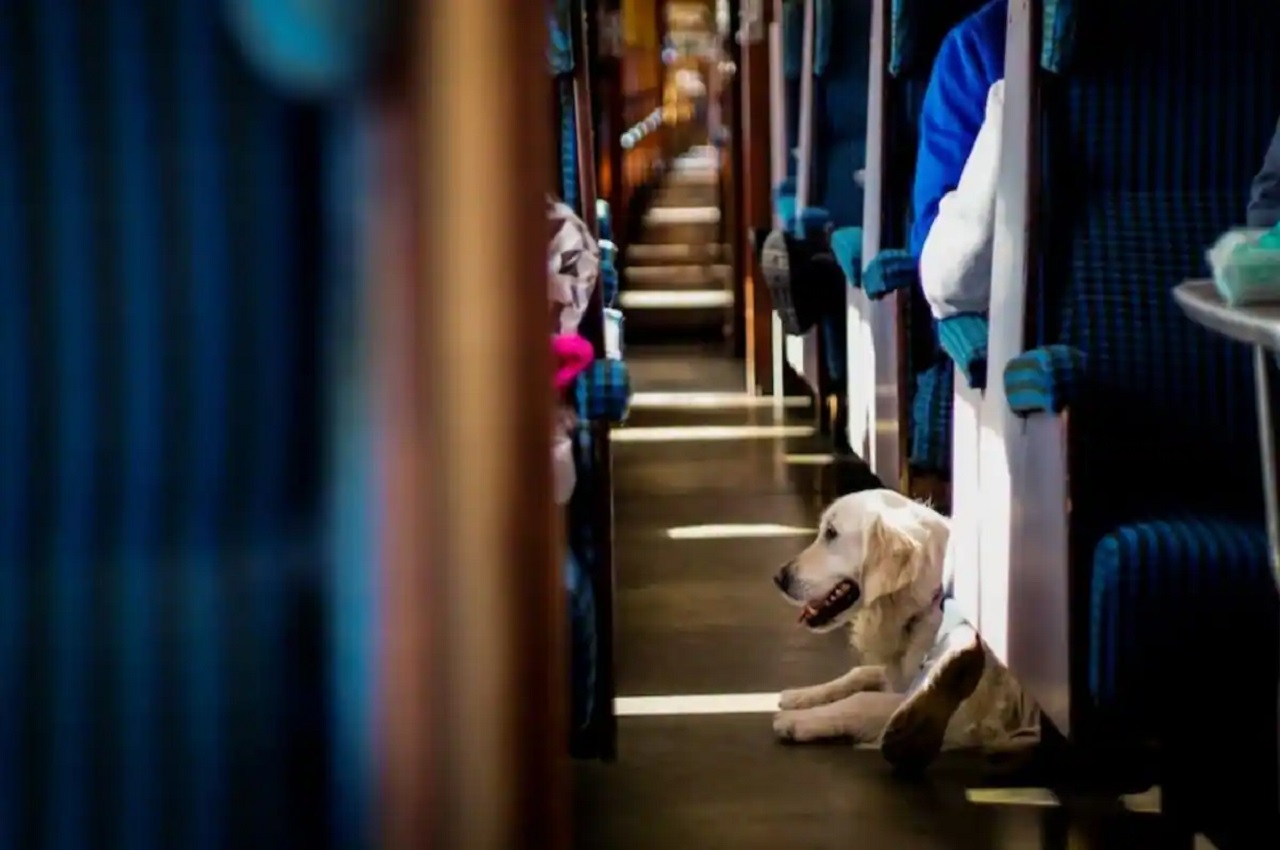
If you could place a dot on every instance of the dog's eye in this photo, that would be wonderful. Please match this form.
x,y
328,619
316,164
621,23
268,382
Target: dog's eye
x,y
829,533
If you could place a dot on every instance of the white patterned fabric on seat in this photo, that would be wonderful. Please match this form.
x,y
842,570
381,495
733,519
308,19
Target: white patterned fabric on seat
x,y
573,264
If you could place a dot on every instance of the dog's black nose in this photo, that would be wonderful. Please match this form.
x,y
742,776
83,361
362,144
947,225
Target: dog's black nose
x,y
783,578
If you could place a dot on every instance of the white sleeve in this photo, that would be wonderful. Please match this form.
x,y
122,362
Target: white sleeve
x,y
955,263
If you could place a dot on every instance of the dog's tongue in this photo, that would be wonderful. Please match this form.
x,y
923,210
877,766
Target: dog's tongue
x,y
808,612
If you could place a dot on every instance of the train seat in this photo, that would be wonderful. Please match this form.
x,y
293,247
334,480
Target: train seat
x,y
166,543
1153,120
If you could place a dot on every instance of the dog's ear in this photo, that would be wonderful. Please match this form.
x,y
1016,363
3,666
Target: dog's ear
x,y
893,560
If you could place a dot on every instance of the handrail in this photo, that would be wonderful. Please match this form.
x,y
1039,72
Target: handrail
x,y
652,122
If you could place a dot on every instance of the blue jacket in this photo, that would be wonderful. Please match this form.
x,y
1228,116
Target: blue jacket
x,y
969,61
1264,200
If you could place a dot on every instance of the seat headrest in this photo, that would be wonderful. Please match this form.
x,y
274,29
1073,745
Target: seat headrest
x,y
1076,32
821,36
792,38
917,28
560,48
1060,22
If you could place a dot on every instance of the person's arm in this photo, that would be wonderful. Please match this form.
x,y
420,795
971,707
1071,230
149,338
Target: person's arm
x,y
1264,200
955,262
950,118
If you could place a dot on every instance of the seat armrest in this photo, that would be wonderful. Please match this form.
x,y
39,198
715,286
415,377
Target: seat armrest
x,y
1044,380
892,270
846,244
812,223
785,207
964,338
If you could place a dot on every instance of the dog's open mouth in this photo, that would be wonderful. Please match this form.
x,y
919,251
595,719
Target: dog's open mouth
x,y
835,603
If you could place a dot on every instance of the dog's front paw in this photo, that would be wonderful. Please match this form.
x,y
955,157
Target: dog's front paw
x,y
801,698
785,724
800,726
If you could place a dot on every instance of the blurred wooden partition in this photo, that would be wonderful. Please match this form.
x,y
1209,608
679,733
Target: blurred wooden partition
x,y
608,91
727,89
471,732
642,25
753,134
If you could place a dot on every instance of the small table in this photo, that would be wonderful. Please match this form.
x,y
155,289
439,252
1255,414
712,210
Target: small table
x,y
1258,326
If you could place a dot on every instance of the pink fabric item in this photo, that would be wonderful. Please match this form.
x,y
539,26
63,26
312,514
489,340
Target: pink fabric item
x,y
573,355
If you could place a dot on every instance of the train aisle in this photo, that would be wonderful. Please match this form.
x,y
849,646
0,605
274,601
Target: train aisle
x,y
711,497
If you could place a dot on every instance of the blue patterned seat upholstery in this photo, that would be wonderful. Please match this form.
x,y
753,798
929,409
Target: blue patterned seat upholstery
x,y
1155,578
931,404
604,391
1151,134
164,549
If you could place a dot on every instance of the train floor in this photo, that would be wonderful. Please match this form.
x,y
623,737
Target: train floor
x,y
704,517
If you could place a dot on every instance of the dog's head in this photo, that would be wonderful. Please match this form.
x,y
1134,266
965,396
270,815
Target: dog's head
x,y
871,545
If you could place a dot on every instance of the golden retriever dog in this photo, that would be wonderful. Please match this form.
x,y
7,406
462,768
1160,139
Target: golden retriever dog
x,y
926,681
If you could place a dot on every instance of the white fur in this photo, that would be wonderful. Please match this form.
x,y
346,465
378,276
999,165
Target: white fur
x,y
894,549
